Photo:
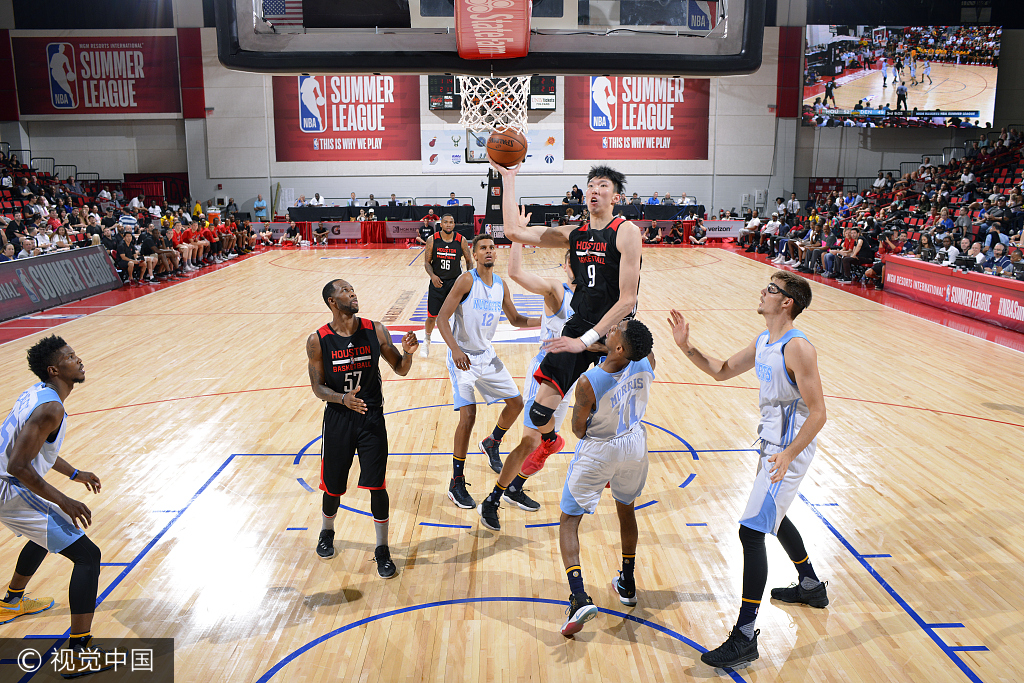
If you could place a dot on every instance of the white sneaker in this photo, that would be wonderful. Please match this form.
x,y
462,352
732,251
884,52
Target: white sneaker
x,y
425,348
778,259
791,262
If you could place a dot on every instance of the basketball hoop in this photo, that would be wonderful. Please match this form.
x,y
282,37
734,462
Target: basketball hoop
x,y
491,104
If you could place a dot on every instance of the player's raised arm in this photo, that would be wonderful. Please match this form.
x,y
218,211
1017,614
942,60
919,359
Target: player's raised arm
x,y
401,363
720,370
517,221
549,288
515,318
460,290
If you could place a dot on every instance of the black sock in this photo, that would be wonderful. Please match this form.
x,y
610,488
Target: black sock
x,y
498,433
80,640
748,615
575,576
495,495
549,436
14,595
458,467
517,483
628,562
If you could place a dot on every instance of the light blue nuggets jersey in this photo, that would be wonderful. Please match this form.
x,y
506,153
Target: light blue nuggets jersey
x,y
621,399
476,318
551,325
29,400
783,410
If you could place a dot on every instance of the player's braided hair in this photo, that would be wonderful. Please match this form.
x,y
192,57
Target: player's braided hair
x,y
637,340
44,354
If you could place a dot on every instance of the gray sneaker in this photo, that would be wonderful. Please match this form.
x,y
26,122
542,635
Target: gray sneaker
x,y
520,499
459,495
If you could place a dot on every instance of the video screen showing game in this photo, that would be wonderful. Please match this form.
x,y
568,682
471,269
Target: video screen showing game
x,y
900,76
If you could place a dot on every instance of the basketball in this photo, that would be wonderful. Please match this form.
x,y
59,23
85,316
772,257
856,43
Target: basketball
x,y
506,147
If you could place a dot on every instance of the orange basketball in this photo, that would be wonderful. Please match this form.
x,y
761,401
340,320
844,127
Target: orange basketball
x,y
506,147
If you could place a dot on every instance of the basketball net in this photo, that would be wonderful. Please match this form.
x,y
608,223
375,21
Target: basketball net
x,y
490,104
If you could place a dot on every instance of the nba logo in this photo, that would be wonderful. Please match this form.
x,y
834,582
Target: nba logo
x,y
602,103
312,113
60,63
701,16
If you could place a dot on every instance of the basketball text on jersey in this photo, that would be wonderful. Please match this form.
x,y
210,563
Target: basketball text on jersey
x,y
486,305
589,251
355,358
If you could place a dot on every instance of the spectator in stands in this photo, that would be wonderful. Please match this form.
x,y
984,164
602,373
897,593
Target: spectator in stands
x,y
833,256
317,200
771,229
577,194
231,209
9,254
301,201
863,254
635,200
654,199
687,201
139,202
291,236
652,235
948,252
452,201
320,234
698,235
259,208
29,248
352,199
73,188
6,180
361,217
430,220
393,201
793,205
750,230
995,237
667,200
154,210
185,218
879,184
675,234
998,262
15,229
22,190
13,162
371,201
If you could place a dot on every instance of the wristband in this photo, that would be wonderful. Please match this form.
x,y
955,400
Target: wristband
x,y
343,397
589,337
74,474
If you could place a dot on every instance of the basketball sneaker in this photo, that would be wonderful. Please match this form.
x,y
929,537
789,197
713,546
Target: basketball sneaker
x,y
626,590
325,546
489,515
23,607
425,348
520,499
535,461
815,597
490,447
386,569
459,495
737,650
90,659
581,609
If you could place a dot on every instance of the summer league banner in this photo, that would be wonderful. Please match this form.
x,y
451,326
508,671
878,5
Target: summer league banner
x,y
461,151
634,117
347,118
81,76
34,284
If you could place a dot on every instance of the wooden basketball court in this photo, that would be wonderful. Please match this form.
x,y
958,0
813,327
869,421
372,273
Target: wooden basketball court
x,y
198,417
953,87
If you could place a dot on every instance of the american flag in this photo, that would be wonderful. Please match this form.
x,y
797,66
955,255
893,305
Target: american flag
x,y
283,13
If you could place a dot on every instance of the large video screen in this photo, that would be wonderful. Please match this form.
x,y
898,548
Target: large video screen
x,y
900,76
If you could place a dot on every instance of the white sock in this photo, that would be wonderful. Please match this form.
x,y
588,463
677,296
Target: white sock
x,y
381,529
328,522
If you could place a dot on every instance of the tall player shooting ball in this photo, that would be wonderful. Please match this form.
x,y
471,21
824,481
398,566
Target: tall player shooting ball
x,y
604,255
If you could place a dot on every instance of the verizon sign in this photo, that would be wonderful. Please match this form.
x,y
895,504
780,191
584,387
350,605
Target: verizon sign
x,y
486,29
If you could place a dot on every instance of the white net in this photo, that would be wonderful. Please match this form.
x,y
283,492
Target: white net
x,y
494,103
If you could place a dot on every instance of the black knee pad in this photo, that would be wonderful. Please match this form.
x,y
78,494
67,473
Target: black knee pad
x,y
540,415
750,538
83,551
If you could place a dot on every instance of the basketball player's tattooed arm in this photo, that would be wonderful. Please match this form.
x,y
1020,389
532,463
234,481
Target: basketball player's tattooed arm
x,y
467,253
802,366
428,256
515,318
585,401
720,370
401,363
516,221
44,421
460,290
316,373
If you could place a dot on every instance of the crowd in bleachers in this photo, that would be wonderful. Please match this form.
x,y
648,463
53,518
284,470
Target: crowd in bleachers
x,y
966,214
148,241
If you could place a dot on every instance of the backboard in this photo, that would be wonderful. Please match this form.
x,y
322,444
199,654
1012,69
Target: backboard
x,y
634,37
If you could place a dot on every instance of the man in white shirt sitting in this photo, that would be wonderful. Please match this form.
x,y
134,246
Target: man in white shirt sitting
x,y
317,200
752,227
137,203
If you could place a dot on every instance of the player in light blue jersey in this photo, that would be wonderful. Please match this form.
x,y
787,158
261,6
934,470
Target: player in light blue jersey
x,y
467,322
30,441
514,473
792,413
612,451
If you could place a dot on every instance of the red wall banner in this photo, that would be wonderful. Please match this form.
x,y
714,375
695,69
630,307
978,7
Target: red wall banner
x,y
80,76
995,300
633,117
347,118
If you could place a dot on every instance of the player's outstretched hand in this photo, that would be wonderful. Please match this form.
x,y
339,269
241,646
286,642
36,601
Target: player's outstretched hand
x,y
564,345
680,329
781,461
78,512
509,172
461,360
410,343
90,480
353,402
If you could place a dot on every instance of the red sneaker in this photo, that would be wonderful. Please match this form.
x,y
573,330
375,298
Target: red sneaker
x,y
535,461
